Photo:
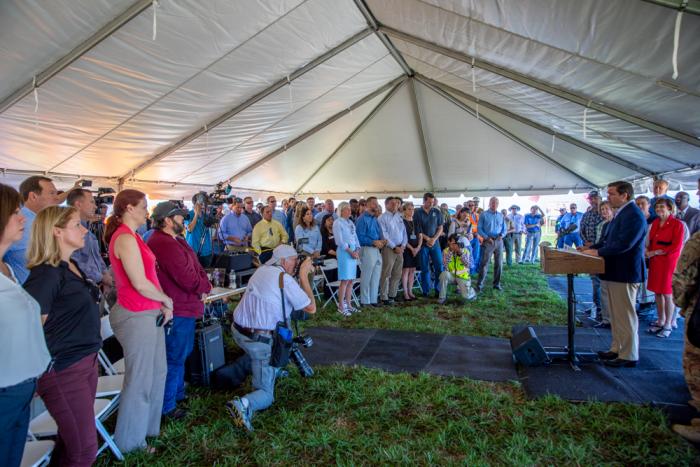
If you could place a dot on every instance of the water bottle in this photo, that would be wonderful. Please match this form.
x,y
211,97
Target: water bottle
x,y
232,280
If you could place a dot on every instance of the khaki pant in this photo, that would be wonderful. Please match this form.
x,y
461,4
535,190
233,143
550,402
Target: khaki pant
x,y
623,318
141,400
392,264
464,286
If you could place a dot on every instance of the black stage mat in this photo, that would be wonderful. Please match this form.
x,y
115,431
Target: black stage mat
x,y
482,358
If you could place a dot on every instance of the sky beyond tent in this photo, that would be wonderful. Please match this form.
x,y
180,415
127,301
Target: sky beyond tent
x,y
340,98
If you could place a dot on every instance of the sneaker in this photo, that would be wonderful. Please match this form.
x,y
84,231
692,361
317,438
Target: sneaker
x,y
239,409
689,432
471,295
344,311
498,287
441,301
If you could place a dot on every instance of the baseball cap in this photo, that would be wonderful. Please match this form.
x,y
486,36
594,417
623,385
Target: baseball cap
x,y
168,209
593,193
281,252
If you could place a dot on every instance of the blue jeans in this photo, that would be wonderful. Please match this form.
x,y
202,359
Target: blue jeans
x,y
476,256
258,366
532,244
426,255
573,239
178,346
15,404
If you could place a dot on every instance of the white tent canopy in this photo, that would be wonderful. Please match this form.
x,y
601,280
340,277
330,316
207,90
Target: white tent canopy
x,y
340,97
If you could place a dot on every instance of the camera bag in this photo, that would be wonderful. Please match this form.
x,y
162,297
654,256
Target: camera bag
x,y
282,337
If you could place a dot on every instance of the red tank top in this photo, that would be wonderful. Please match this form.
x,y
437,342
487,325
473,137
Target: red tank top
x,y
127,295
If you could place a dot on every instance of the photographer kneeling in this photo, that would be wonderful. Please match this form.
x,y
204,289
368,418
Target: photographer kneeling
x,y
270,297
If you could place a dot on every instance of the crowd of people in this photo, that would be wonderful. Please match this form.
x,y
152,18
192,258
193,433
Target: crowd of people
x,y
54,280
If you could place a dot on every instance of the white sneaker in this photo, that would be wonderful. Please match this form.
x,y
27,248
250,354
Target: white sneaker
x,y
344,311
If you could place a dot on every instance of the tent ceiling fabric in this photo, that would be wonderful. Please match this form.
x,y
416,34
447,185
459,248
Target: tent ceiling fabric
x,y
125,102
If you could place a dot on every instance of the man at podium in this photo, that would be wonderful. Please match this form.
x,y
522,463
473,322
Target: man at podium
x,y
623,251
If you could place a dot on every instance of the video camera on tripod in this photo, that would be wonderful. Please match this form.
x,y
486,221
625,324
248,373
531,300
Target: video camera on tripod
x,y
210,202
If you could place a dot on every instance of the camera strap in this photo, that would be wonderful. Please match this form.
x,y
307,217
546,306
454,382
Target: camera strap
x,y
281,285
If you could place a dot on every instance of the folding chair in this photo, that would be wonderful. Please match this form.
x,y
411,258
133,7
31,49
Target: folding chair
x,y
334,286
37,453
44,426
110,368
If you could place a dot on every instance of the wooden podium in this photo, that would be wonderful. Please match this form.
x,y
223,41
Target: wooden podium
x,y
569,262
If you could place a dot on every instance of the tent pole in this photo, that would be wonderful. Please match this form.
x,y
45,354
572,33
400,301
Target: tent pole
x,y
508,134
65,61
372,22
421,133
537,126
542,86
249,102
676,5
354,132
315,129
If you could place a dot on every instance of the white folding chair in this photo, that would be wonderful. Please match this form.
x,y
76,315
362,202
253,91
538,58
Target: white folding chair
x,y
110,368
43,426
37,453
334,286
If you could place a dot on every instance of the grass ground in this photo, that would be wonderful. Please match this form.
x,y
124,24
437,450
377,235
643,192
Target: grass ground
x,y
354,415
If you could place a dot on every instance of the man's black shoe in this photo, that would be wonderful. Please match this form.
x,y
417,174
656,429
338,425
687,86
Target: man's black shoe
x,y
605,355
389,302
621,363
175,414
375,305
498,287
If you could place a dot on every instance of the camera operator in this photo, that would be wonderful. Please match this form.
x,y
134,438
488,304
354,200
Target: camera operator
x,y
198,235
254,321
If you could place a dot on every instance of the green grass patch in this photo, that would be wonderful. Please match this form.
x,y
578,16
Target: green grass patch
x,y
361,416
525,298
353,416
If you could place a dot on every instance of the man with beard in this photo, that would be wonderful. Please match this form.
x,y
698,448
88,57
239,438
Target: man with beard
x,y
185,281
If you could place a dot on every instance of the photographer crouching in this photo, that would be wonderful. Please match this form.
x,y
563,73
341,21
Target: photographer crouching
x,y
261,327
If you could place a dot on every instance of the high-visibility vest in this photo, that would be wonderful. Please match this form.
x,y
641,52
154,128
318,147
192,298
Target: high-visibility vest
x,y
455,265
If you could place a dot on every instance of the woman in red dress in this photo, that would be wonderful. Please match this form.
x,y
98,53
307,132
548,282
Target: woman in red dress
x,y
663,250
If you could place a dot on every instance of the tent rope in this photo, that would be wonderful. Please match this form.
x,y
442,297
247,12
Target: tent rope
x,y
35,91
291,97
156,4
676,38
554,140
585,120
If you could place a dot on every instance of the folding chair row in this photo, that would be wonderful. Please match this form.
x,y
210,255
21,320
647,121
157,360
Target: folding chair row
x,y
334,286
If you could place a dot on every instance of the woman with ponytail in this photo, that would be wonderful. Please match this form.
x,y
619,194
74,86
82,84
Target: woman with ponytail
x,y
136,322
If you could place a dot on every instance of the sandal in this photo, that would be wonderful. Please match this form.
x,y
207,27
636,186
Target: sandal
x,y
654,329
664,333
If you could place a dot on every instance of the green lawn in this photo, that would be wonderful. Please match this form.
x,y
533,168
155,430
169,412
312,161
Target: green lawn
x,y
354,415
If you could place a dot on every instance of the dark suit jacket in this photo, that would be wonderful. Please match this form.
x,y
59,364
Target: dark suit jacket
x,y
622,247
692,220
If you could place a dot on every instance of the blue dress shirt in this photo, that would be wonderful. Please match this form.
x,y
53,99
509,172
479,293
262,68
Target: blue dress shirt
x,y
279,217
16,255
89,259
368,229
234,225
491,224
569,219
314,236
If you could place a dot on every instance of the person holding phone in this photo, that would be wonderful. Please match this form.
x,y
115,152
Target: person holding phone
x,y
140,302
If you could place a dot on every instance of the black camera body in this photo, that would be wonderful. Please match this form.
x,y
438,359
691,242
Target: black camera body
x,y
105,196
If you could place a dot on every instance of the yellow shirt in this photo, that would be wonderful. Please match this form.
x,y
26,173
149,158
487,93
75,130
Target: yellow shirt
x,y
267,235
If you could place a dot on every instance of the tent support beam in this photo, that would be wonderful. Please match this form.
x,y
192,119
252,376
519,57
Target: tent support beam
x,y
352,134
542,86
249,102
374,25
316,129
605,155
676,5
107,30
508,134
421,134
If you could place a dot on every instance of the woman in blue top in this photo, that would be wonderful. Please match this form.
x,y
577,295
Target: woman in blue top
x,y
348,253
307,233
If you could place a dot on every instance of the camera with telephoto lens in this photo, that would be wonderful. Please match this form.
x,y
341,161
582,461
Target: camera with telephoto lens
x,y
298,342
302,255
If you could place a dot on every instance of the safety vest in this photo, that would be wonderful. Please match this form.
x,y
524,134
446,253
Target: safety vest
x,y
455,265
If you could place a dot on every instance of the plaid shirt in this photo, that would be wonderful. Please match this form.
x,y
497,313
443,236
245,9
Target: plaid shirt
x,y
589,224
